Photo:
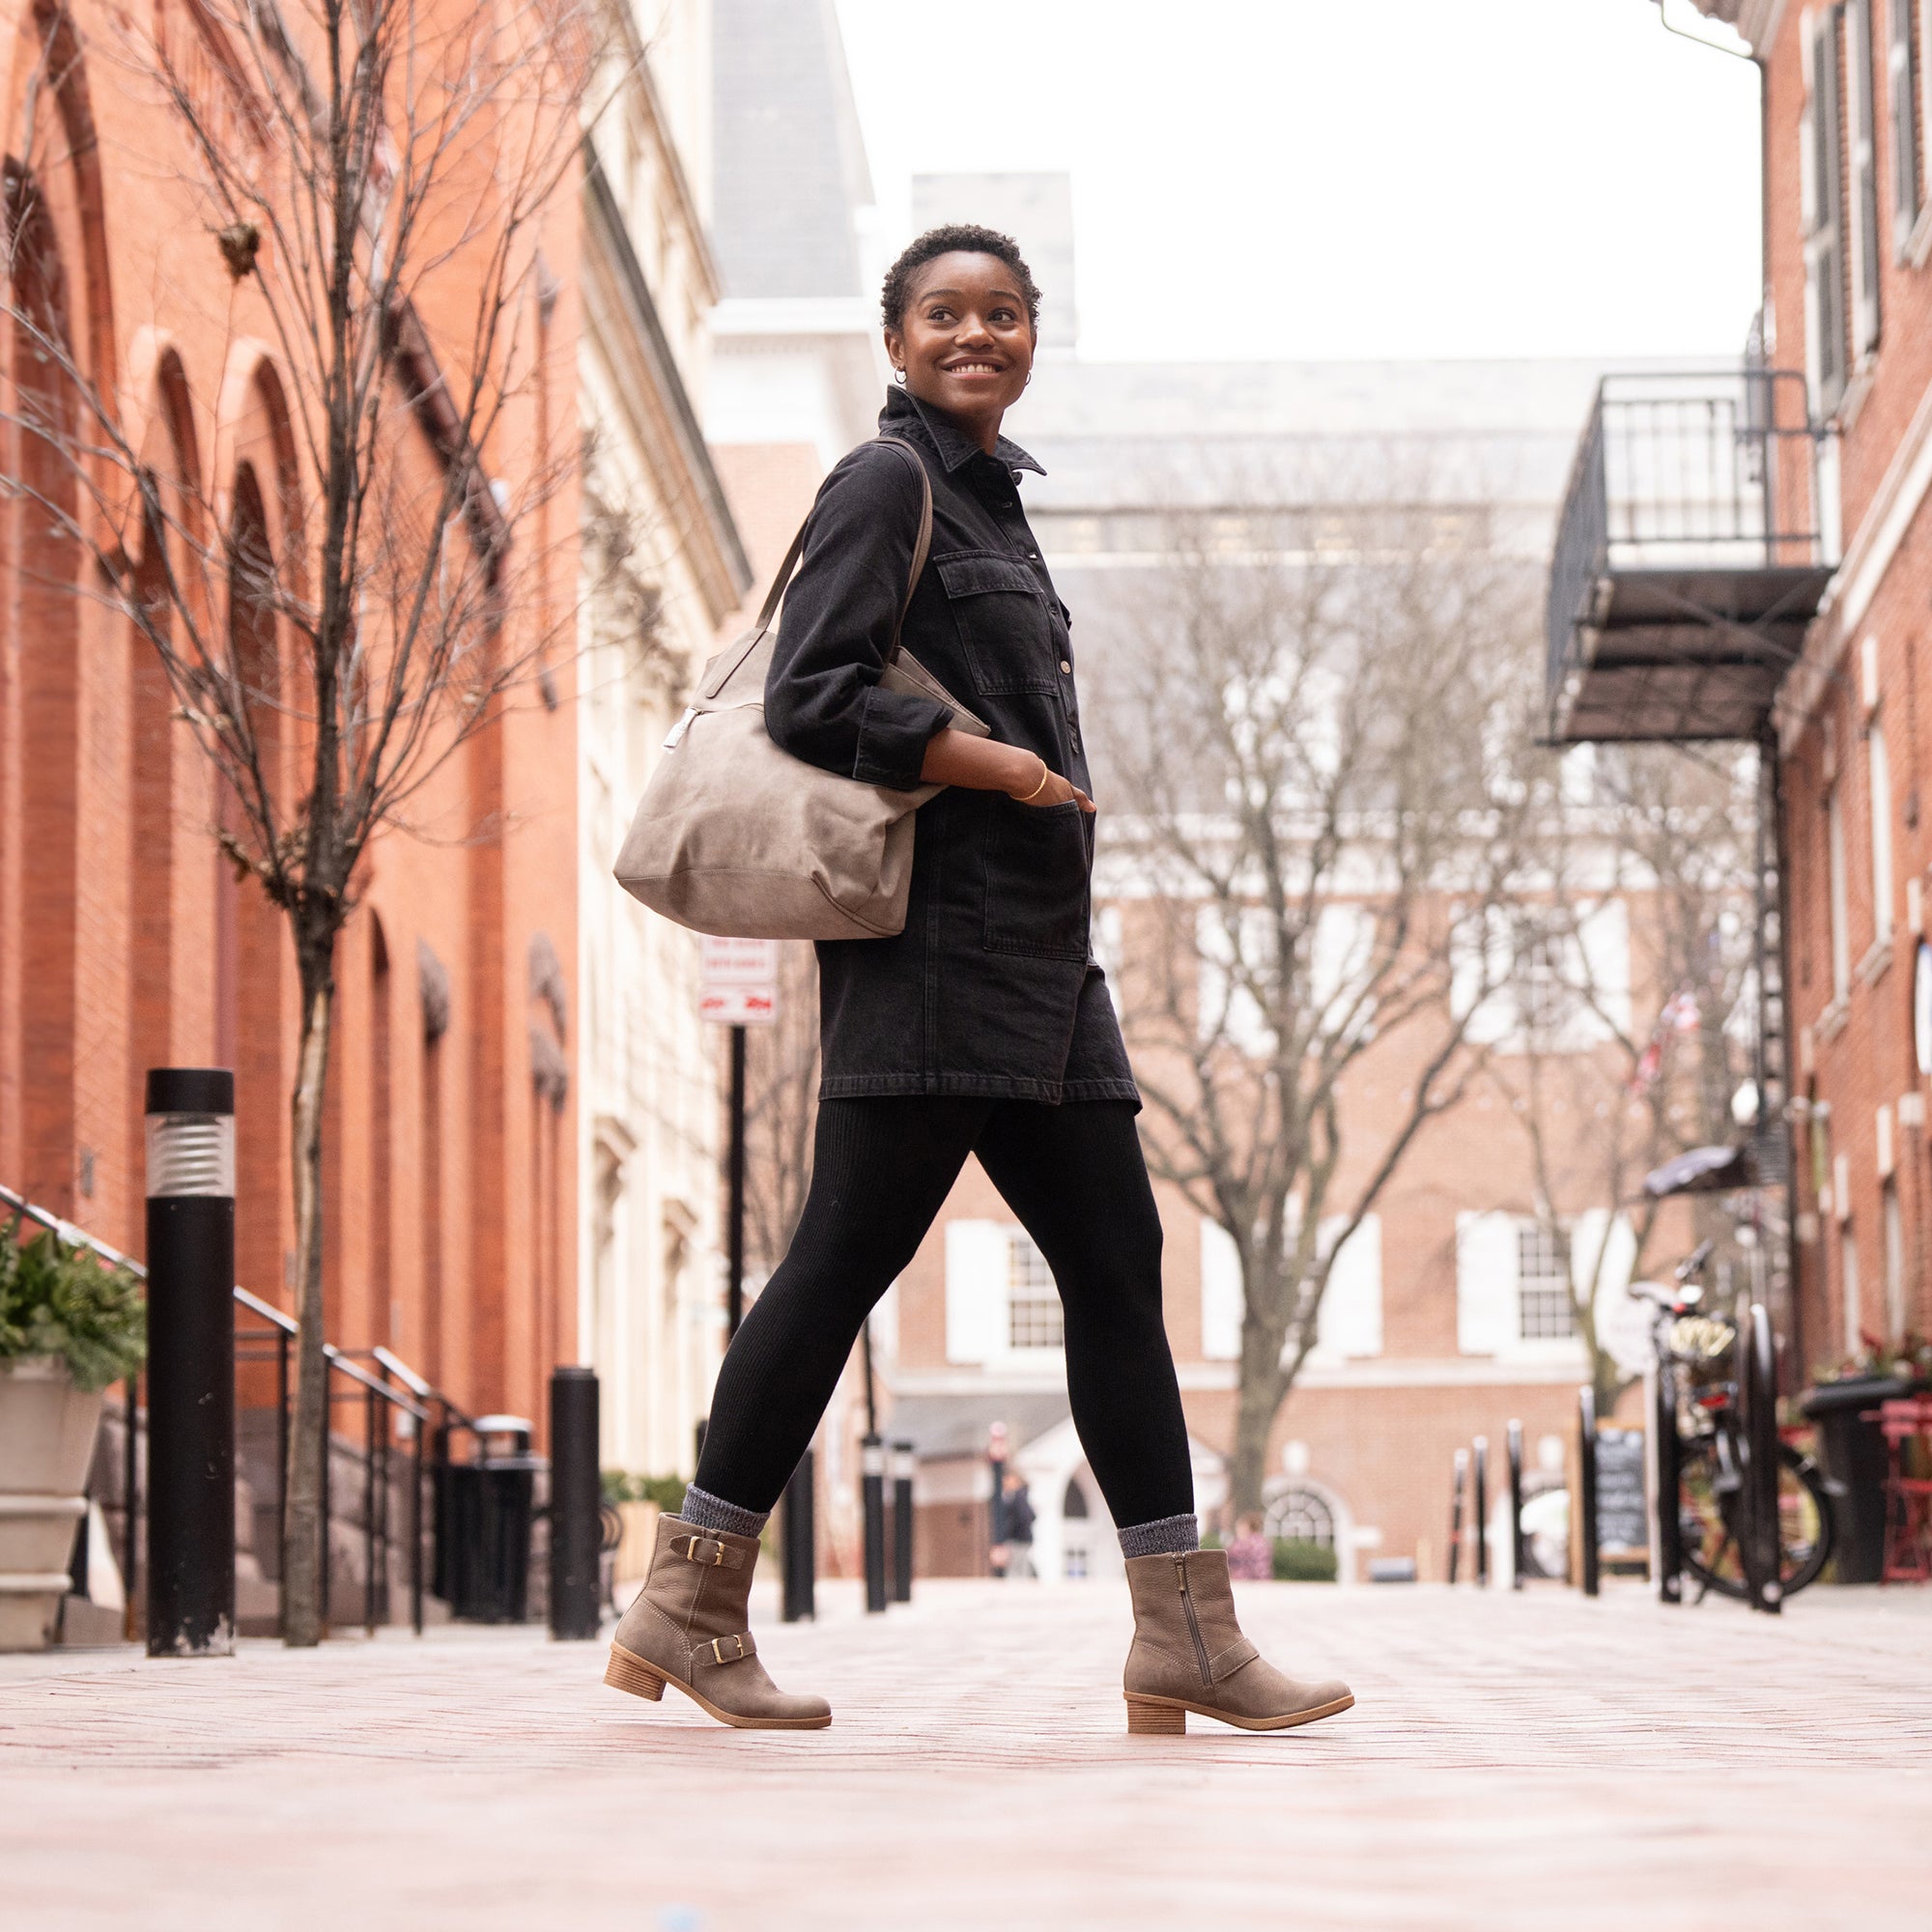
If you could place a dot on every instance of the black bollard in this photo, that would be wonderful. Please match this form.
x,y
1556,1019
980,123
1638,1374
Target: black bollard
x,y
190,1361
1585,1527
576,1499
902,1521
1479,1506
1668,1500
797,1528
1456,1512
1516,1504
872,1466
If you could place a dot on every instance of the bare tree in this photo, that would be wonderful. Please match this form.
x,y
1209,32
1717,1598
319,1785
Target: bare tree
x,y
377,178
1318,730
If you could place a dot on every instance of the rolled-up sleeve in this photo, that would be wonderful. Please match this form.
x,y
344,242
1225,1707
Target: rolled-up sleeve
x,y
823,702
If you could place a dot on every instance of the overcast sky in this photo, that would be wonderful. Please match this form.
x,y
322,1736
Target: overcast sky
x,y
1336,177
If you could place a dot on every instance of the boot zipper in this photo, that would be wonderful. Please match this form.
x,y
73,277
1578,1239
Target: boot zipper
x,y
1193,1627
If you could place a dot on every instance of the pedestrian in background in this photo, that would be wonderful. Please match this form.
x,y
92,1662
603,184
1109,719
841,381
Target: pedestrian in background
x,y
1016,1527
983,1027
1250,1556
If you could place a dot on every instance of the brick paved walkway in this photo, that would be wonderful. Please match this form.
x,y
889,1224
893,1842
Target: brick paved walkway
x,y
1514,1762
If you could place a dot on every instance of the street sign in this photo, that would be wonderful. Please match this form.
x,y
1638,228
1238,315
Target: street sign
x,y
740,981
738,1006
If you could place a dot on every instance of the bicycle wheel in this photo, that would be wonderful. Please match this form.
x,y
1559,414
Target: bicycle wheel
x,y
1709,1549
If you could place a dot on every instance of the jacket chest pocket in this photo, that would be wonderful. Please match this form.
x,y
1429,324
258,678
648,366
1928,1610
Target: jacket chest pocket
x,y
1038,891
1005,628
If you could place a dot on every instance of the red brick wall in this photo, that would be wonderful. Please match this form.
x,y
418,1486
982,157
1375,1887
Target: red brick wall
x,y
1860,1059
124,943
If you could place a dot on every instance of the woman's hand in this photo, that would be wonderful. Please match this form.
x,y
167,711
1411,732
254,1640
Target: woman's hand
x,y
1048,787
983,764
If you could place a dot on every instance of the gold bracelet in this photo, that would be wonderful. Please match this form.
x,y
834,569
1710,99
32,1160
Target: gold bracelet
x,y
1045,773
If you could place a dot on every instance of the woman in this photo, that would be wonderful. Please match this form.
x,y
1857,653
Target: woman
x,y
985,1026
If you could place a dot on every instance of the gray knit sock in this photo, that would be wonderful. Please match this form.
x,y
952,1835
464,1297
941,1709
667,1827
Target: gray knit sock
x,y
1168,1536
703,1510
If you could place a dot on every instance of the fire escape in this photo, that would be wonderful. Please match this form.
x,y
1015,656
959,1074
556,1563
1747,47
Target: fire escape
x,y
1689,563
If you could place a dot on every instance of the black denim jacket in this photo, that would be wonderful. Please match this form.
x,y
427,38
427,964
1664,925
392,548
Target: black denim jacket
x,y
991,989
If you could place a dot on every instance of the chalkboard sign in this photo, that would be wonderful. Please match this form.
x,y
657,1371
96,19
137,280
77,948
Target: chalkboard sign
x,y
1621,1521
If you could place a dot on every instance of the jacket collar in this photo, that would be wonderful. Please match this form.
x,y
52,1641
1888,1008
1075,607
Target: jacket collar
x,y
953,447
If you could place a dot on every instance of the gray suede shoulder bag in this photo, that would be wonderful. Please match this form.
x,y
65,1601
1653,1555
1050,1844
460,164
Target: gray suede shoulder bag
x,y
738,837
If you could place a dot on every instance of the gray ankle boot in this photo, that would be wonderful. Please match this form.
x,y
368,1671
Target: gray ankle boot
x,y
1189,1654
687,1627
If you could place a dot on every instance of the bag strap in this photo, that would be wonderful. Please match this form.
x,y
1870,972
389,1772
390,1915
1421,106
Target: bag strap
x,y
921,544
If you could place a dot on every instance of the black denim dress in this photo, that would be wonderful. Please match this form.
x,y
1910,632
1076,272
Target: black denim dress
x,y
991,989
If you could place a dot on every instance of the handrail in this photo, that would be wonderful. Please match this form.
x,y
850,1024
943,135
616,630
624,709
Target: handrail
x,y
283,1329
79,1237
287,1324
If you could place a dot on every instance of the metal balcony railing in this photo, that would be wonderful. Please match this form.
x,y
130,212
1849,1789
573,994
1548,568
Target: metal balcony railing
x,y
1696,471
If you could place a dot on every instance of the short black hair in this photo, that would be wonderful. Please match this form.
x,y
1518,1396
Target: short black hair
x,y
954,238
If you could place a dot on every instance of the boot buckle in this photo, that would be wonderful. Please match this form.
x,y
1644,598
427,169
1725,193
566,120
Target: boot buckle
x,y
742,1648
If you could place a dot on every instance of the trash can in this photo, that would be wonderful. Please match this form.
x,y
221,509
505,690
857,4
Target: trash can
x,y
485,1508
1853,1453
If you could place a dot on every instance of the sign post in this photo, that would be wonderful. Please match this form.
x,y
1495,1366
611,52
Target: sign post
x,y
740,988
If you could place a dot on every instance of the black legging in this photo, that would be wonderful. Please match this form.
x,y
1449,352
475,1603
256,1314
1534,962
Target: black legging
x,y
1074,1175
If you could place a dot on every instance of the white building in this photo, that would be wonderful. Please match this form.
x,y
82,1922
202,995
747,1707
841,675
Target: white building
x,y
663,568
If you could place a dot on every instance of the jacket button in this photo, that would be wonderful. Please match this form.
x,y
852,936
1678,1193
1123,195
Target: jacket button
x,y
1066,668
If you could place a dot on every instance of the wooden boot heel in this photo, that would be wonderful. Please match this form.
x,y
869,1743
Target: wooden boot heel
x,y
1155,1721
626,1672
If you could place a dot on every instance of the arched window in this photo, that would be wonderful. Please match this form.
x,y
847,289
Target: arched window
x,y
1074,1503
1297,1514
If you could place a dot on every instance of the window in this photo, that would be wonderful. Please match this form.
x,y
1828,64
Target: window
x,y
1235,948
1907,135
1834,860
1561,989
1894,1262
1878,770
1863,114
1824,198
1106,942
1544,1311
1518,1280
1848,1283
1299,1514
1034,1316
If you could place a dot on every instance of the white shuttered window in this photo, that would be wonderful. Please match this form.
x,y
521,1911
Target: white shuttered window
x,y
1861,109
1824,185
1350,1324
1486,1283
978,1257
1222,1302
1901,73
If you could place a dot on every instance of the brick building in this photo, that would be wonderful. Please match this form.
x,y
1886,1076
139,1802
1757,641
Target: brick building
x,y
662,566
125,940
1848,299
1796,615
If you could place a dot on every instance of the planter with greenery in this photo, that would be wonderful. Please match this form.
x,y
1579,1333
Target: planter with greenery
x,y
68,1326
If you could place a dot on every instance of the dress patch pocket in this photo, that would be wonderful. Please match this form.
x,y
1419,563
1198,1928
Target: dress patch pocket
x,y
1005,628
1038,861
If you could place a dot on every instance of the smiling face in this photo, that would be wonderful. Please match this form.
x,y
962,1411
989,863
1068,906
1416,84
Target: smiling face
x,y
965,341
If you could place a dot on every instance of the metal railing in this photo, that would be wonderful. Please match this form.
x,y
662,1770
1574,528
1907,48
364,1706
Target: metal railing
x,y
1694,468
394,1400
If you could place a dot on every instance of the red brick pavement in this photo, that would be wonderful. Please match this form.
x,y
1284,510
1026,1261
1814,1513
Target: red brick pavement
x,y
1532,1762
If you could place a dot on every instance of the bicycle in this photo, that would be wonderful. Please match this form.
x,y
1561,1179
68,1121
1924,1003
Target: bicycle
x,y
1717,1424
